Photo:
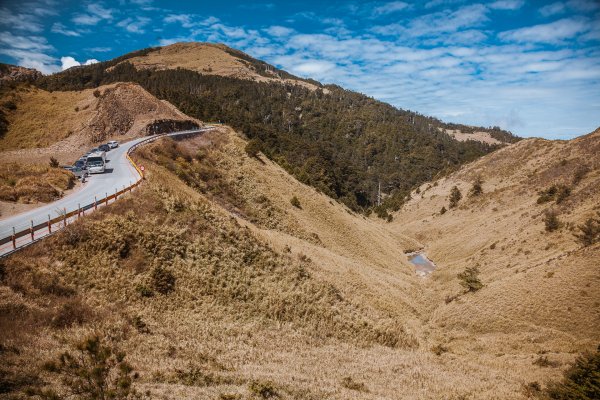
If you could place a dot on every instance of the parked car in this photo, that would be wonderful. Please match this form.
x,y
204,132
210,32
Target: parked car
x,y
104,147
113,144
96,162
80,173
81,163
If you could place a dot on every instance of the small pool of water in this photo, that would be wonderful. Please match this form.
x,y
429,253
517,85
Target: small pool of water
x,y
423,265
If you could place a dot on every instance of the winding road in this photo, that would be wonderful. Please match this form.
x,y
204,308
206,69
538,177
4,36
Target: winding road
x,y
120,173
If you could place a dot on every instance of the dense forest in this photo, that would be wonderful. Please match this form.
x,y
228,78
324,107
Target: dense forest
x,y
341,142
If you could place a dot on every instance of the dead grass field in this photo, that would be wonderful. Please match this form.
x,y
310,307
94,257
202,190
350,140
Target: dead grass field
x,y
26,183
313,300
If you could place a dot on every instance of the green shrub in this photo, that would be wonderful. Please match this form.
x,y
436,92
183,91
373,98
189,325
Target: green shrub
x,y
556,193
53,162
581,380
589,232
477,188
469,279
551,220
163,280
455,196
295,202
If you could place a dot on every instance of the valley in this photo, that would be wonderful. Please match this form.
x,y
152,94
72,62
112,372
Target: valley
x,y
254,261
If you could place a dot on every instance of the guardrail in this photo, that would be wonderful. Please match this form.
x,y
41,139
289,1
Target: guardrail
x,y
60,222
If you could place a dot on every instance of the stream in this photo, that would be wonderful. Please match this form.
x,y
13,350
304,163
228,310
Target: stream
x,y
423,265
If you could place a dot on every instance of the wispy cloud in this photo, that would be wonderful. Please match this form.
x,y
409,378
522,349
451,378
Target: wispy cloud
x,y
390,8
553,32
507,4
93,15
57,27
134,25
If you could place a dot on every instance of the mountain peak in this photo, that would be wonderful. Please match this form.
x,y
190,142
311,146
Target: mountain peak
x,y
215,59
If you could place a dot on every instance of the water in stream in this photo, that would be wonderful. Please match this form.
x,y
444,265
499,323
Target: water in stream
x,y
423,265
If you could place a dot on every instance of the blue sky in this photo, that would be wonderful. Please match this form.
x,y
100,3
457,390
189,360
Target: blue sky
x,y
532,67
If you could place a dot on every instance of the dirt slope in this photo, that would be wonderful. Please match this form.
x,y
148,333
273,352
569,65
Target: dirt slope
x,y
65,123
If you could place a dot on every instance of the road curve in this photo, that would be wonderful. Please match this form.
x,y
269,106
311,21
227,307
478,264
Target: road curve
x,y
119,174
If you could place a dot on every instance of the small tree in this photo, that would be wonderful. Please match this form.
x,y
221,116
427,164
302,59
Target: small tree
x,y
477,188
469,279
295,202
589,231
53,162
253,148
551,220
95,371
455,196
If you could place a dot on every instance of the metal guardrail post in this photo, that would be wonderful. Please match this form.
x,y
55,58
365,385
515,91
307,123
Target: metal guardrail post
x,y
116,194
49,225
31,230
64,217
78,210
95,203
106,197
14,239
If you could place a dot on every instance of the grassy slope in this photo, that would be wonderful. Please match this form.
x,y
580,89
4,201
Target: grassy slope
x,y
298,323
542,289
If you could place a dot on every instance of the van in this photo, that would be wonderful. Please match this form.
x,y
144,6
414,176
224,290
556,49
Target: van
x,y
96,162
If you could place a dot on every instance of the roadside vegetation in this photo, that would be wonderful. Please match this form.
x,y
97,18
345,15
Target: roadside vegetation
x,y
27,183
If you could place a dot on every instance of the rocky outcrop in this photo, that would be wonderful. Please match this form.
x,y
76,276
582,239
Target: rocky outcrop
x,y
12,73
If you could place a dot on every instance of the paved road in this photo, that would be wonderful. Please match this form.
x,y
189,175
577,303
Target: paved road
x,y
119,173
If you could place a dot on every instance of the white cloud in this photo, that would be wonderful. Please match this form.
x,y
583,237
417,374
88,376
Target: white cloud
x,y
95,13
389,8
69,62
552,9
438,23
313,68
134,25
99,49
279,31
57,27
553,32
507,4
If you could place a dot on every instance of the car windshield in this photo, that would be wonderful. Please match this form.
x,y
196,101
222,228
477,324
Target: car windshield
x,y
95,161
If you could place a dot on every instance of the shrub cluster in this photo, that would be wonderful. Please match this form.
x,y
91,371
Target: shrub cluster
x,y
556,193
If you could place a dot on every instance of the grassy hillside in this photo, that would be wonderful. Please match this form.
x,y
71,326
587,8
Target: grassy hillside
x,y
340,142
215,284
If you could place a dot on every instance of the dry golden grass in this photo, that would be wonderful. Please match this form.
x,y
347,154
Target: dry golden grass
x,y
314,301
65,124
26,183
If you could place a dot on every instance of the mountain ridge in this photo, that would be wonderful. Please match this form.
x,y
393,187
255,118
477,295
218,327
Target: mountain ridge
x,y
343,143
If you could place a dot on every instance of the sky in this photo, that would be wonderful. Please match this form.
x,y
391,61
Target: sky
x,y
532,67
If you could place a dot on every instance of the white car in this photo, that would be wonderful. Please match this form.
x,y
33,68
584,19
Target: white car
x,y
113,144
